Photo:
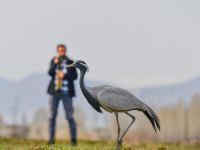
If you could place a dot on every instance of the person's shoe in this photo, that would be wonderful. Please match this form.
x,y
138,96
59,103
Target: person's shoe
x,y
73,142
51,142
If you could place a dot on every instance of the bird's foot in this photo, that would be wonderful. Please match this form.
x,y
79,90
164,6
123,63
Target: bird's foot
x,y
120,142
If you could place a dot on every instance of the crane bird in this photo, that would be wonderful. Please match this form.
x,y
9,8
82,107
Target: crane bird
x,y
114,100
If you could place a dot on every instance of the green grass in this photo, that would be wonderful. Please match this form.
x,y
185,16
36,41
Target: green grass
x,y
22,144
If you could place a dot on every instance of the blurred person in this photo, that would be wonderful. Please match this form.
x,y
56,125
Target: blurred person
x,y
61,88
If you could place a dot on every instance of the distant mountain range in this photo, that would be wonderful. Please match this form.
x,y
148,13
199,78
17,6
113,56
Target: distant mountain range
x,y
170,94
28,95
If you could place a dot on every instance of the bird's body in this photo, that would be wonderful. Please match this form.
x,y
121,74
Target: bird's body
x,y
114,100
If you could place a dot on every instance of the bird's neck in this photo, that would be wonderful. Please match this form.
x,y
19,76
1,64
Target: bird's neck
x,y
82,83
89,97
84,89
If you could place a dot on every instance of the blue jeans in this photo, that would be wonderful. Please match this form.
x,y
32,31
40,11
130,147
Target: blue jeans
x,y
67,104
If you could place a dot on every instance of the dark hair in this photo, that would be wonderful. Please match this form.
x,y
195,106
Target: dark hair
x,y
61,45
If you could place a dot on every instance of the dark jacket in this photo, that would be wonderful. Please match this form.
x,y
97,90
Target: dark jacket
x,y
70,77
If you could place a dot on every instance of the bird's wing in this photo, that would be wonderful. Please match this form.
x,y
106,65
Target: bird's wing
x,y
116,99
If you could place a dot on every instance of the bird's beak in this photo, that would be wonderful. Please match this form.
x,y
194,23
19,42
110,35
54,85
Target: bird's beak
x,y
71,65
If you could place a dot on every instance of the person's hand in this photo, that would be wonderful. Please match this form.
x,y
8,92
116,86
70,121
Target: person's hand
x,y
60,74
56,59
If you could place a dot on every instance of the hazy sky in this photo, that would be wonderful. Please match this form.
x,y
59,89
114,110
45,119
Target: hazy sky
x,y
128,42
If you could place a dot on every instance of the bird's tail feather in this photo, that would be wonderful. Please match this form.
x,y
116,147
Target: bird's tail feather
x,y
151,115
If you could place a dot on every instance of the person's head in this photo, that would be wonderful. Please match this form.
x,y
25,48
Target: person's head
x,y
61,50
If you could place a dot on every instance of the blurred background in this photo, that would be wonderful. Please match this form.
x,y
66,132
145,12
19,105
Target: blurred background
x,y
151,48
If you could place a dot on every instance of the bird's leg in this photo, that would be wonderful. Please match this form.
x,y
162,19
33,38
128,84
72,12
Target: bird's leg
x,y
118,131
133,119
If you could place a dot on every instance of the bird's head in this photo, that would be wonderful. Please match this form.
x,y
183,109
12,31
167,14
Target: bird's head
x,y
80,65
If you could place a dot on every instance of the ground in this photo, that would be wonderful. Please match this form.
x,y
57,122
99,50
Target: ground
x,y
22,144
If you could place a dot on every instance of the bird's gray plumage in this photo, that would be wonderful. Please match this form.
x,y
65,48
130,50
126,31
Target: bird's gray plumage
x,y
114,99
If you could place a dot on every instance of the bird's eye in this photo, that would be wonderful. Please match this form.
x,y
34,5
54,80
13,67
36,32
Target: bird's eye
x,y
85,65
